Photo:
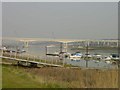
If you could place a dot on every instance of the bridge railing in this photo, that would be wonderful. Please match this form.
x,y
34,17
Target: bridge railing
x,y
49,60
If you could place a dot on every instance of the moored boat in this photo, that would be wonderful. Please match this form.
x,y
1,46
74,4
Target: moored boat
x,y
76,56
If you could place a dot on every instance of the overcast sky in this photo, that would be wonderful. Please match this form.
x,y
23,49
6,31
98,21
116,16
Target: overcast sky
x,y
68,20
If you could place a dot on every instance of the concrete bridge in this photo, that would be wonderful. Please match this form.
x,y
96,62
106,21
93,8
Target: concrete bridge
x,y
82,42
56,40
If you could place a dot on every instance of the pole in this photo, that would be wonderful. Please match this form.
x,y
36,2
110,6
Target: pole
x,y
61,47
87,56
46,50
16,53
66,45
86,84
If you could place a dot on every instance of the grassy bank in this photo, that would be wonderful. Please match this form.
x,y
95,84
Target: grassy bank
x,y
16,77
49,77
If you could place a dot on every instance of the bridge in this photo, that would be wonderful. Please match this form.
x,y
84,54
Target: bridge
x,y
56,40
82,42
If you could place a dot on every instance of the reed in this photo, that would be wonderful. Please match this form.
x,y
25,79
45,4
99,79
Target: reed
x,y
54,77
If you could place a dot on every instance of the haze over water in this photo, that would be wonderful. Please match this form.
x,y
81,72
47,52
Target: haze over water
x,y
62,20
91,20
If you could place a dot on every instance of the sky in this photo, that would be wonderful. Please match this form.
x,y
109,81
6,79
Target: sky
x,y
66,20
60,0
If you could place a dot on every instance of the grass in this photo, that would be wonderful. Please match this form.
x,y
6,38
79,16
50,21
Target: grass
x,y
16,77
54,77
13,78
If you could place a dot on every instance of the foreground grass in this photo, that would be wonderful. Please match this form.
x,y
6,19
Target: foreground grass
x,y
16,77
49,77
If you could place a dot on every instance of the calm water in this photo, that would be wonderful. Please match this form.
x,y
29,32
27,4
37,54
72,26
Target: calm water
x,y
38,49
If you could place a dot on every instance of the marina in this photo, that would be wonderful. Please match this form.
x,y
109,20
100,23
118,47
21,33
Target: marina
x,y
71,44
100,57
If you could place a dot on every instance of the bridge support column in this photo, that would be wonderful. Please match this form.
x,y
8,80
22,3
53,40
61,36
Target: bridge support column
x,y
98,43
88,43
26,44
65,46
117,44
108,44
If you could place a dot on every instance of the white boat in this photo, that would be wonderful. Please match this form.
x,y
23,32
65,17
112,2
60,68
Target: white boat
x,y
107,58
112,56
108,61
75,59
3,48
64,55
87,55
97,61
75,56
97,56
115,56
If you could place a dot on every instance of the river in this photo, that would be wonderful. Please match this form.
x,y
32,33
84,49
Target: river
x,y
38,49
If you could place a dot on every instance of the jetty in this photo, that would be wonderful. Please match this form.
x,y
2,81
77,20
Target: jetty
x,y
30,62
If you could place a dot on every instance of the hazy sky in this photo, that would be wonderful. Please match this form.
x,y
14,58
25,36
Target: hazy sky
x,y
70,20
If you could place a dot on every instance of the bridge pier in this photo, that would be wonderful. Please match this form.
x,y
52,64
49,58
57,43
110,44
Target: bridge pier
x,y
117,44
63,47
108,44
26,44
98,43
